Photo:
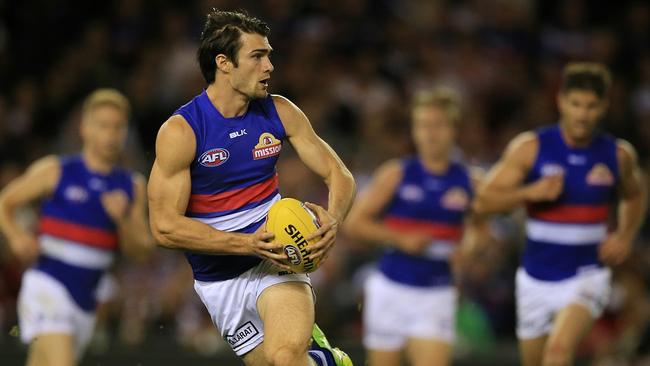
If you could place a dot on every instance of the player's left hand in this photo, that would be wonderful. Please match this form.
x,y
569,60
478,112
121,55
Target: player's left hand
x,y
329,226
614,250
116,203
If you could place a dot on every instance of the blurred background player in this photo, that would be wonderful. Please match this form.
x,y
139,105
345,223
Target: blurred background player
x,y
568,175
213,182
418,205
90,209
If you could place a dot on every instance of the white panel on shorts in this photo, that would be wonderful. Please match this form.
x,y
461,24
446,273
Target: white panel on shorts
x,y
232,304
568,234
239,220
75,254
44,307
538,301
394,312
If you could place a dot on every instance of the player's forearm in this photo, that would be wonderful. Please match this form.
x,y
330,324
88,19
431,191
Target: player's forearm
x,y
135,239
342,189
490,201
370,230
8,224
631,212
180,232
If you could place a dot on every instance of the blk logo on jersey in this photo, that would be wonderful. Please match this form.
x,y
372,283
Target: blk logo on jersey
x,y
455,199
600,175
239,133
267,146
411,192
214,157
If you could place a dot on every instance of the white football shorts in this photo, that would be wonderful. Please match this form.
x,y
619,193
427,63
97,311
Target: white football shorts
x,y
45,307
394,313
538,301
232,303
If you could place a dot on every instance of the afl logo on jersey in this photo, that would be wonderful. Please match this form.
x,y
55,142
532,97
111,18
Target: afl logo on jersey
x,y
76,194
214,157
600,175
267,146
552,169
455,199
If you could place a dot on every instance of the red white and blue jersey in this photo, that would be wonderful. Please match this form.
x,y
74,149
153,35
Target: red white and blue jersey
x,y
78,238
563,236
234,181
431,204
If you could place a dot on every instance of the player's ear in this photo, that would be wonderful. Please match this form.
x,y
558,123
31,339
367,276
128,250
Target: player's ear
x,y
223,63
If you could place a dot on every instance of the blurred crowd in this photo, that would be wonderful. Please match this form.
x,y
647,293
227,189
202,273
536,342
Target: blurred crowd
x,y
351,65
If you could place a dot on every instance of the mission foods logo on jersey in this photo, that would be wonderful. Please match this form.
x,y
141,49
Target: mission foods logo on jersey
x,y
267,146
214,157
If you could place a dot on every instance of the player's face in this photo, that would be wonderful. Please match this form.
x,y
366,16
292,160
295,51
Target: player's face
x,y
104,131
433,132
251,76
580,111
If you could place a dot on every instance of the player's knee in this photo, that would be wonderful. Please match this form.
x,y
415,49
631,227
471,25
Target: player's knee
x,y
557,354
286,354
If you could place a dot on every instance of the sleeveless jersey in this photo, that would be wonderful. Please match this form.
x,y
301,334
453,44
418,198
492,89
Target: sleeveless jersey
x,y
431,204
563,236
78,238
234,182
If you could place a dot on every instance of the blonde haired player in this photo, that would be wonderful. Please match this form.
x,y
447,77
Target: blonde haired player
x,y
567,175
417,206
211,188
90,209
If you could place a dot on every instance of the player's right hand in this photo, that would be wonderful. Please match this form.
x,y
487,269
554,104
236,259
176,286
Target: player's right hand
x,y
545,189
25,247
260,244
413,243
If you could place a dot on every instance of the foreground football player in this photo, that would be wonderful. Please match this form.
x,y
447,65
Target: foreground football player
x,y
211,187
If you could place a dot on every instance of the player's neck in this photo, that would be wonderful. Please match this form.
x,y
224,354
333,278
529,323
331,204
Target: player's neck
x,y
95,163
575,142
435,164
227,101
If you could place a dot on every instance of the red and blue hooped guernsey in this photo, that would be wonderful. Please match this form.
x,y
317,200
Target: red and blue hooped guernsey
x,y
563,236
234,181
431,204
78,238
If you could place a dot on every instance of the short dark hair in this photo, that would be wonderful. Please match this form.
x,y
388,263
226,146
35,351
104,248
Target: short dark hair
x,y
590,76
222,35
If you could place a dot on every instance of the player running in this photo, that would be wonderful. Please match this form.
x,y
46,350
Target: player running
x,y
568,175
90,209
211,187
418,206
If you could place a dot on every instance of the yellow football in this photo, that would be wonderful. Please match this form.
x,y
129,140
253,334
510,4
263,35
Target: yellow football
x,y
291,222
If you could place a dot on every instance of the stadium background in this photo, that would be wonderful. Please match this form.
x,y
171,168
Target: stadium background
x,y
351,65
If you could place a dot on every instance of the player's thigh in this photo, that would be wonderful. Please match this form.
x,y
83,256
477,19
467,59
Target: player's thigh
x,y
287,312
383,357
51,349
532,350
570,325
428,352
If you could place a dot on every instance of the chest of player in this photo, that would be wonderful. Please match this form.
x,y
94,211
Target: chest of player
x,y
431,198
77,198
235,152
588,177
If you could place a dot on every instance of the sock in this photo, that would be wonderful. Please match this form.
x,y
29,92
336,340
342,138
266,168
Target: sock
x,y
322,356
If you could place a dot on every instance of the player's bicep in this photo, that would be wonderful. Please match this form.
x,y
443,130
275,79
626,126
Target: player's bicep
x,y
39,180
374,198
510,171
312,150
